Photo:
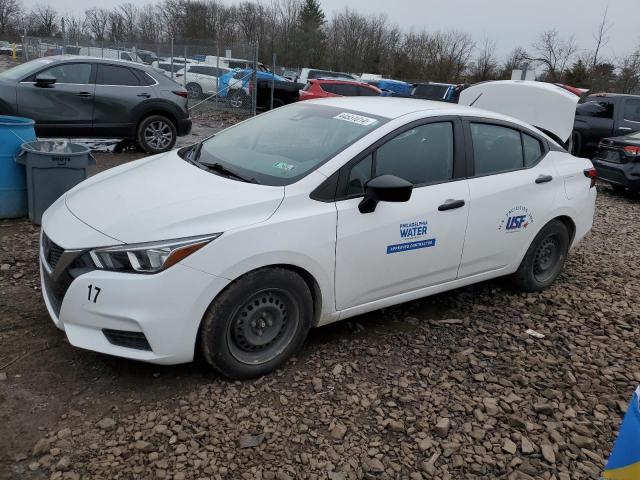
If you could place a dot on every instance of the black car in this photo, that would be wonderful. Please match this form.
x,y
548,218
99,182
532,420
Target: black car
x,y
74,96
617,162
603,115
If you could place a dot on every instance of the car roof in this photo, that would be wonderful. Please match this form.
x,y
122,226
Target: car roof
x,y
70,58
395,107
339,80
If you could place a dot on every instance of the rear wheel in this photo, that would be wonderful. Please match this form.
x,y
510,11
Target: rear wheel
x,y
239,99
544,259
156,134
257,323
194,90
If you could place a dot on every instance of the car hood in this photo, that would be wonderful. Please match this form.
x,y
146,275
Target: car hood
x,y
163,197
545,106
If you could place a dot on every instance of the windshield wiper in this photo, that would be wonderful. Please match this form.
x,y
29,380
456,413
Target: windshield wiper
x,y
219,168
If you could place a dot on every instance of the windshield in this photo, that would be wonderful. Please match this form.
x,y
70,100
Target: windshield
x,y
21,71
432,91
284,145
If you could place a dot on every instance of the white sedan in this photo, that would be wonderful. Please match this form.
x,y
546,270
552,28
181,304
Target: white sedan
x,y
309,214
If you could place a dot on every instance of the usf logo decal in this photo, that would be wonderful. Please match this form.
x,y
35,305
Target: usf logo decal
x,y
516,219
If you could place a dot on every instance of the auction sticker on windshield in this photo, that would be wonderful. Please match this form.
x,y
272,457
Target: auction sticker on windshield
x,y
353,118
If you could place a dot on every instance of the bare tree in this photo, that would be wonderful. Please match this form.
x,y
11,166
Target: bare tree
x,y
601,38
97,21
44,20
485,65
629,77
554,53
9,12
130,16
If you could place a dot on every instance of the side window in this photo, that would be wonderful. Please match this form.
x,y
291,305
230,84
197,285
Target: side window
x,y
70,73
114,75
143,77
632,110
421,155
346,89
496,149
359,175
125,56
532,149
598,109
367,92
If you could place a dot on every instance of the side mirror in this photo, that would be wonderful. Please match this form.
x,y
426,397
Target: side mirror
x,y
385,188
45,80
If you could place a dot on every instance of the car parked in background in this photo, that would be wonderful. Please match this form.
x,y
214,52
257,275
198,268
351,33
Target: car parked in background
x,y
147,56
72,96
307,74
200,79
617,161
327,87
390,86
443,92
6,48
603,115
239,85
110,53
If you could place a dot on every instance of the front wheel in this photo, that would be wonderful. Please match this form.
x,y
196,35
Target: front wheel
x,y
194,90
157,134
544,259
239,99
257,323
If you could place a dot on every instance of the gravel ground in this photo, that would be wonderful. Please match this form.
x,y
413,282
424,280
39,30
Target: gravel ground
x,y
450,386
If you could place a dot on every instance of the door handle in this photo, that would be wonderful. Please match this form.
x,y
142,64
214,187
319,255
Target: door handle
x,y
144,95
544,179
84,94
451,204
625,129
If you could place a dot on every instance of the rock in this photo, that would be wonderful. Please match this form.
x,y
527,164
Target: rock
x,y
33,466
317,384
143,446
336,475
373,465
63,464
250,441
395,426
544,408
548,453
338,431
581,441
526,446
41,447
443,426
509,447
107,424
3,376
336,370
64,433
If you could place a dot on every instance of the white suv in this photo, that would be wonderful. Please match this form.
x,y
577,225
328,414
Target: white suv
x,y
200,79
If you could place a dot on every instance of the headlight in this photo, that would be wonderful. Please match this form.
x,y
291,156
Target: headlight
x,y
148,257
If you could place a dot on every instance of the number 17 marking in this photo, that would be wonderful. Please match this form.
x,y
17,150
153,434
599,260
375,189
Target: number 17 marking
x,y
93,289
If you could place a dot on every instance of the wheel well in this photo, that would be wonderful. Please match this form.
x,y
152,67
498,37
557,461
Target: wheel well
x,y
569,224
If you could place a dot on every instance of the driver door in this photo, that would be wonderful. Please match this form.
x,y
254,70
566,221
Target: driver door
x,y
64,108
402,247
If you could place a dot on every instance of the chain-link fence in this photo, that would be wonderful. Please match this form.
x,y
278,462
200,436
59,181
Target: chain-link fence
x,y
215,76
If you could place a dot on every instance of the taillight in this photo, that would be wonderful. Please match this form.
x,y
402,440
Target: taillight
x,y
181,93
632,151
592,174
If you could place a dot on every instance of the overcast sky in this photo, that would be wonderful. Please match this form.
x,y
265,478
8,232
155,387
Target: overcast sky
x,y
509,23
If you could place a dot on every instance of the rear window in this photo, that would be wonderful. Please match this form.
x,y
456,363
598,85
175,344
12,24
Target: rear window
x,y
595,108
115,75
431,91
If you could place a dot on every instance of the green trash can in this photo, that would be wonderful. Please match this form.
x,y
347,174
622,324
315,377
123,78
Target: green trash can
x,y
52,167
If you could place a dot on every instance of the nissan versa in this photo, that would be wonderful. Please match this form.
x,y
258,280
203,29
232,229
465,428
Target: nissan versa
x,y
311,213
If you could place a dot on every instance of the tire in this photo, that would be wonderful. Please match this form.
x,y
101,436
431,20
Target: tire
x,y
257,323
544,259
156,134
194,90
239,99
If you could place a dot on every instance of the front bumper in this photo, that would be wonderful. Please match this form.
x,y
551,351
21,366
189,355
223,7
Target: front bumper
x,y
623,174
184,126
164,309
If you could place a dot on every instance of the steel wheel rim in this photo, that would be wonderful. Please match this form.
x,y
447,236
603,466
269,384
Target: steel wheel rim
x,y
263,326
158,134
237,100
547,258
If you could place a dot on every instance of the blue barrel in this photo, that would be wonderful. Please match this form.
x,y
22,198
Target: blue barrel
x,y
14,131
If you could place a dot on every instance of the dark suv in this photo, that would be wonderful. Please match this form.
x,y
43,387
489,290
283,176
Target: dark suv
x,y
74,96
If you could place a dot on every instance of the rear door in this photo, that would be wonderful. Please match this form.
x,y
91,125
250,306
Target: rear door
x,y
119,90
512,190
629,116
64,108
402,247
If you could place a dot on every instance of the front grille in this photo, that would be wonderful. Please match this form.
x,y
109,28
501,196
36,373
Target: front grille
x,y
52,252
123,338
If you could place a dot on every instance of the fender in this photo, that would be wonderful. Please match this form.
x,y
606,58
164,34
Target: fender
x,y
7,108
157,105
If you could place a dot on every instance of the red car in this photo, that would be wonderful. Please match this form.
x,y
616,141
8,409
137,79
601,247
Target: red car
x,y
320,88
